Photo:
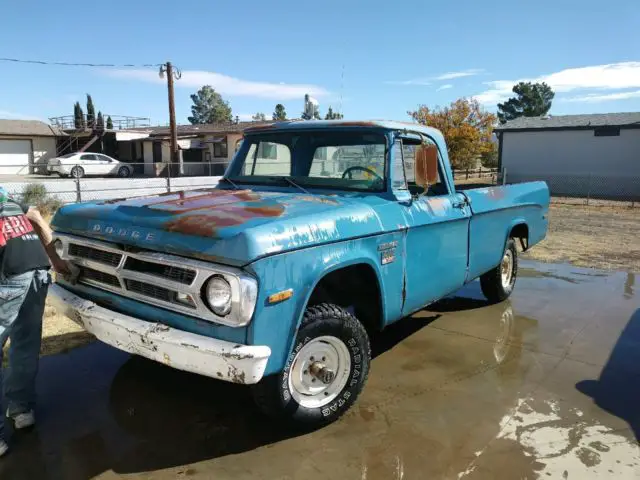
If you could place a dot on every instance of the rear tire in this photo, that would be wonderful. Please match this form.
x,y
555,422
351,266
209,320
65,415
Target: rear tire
x,y
330,340
498,283
77,172
124,172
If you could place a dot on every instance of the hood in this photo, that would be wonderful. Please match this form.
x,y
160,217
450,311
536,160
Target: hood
x,y
227,226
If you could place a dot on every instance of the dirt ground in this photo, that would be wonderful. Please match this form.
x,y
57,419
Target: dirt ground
x,y
602,236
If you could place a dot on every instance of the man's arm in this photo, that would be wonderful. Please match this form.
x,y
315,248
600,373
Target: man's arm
x,y
42,228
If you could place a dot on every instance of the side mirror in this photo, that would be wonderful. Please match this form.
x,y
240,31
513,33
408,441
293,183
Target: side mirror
x,y
426,161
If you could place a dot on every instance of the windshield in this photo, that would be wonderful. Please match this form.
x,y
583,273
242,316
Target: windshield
x,y
335,160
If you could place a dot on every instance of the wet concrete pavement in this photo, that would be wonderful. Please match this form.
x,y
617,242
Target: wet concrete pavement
x,y
546,385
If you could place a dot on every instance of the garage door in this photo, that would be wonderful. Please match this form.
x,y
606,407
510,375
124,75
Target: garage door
x,y
14,156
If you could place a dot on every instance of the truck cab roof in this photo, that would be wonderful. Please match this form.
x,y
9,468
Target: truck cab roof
x,y
297,125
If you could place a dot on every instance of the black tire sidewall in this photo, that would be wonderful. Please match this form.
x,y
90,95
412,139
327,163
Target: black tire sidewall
x,y
355,339
77,172
125,169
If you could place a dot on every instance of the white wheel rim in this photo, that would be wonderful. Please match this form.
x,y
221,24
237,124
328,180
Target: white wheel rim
x,y
305,387
506,268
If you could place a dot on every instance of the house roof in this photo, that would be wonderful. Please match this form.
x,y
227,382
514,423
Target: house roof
x,y
33,128
573,122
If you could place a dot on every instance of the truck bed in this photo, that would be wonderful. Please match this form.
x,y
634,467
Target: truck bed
x,y
496,211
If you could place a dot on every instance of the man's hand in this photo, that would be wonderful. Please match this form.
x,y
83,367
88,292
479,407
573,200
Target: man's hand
x,y
65,269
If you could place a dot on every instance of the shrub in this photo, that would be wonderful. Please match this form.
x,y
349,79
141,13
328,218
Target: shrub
x,y
36,194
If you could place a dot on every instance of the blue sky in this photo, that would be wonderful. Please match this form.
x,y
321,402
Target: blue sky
x,y
394,55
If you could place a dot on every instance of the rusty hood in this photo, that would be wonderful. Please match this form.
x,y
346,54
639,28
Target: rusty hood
x,y
229,226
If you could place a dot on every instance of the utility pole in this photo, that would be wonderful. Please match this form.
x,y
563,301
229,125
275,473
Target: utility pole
x,y
171,74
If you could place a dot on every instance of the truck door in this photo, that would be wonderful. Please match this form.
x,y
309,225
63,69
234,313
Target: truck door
x,y
437,234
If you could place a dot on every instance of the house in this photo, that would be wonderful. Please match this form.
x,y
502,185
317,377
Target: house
x,y
26,145
595,155
203,149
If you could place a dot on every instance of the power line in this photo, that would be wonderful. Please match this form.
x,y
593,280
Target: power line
x,y
71,64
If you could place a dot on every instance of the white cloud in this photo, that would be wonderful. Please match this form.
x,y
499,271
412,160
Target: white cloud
x,y
601,77
225,84
444,87
463,73
595,98
415,81
443,76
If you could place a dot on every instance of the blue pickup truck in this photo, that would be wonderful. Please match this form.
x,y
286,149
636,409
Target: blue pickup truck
x,y
319,234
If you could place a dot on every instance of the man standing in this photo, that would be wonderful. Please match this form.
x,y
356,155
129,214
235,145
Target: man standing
x,y
26,250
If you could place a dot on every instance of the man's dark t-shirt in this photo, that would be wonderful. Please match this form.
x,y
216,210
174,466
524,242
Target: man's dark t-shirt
x,y
20,246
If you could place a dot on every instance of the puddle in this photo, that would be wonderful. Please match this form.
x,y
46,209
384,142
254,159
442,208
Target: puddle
x,y
541,384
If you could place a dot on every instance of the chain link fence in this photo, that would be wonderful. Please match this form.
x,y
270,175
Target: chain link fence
x,y
71,185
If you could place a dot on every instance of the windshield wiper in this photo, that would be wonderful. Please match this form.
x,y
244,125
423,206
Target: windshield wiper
x,y
225,179
291,182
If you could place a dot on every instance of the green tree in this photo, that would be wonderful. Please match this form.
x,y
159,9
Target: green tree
x,y
531,100
259,117
466,127
331,115
100,121
209,107
91,112
109,123
78,116
279,113
489,158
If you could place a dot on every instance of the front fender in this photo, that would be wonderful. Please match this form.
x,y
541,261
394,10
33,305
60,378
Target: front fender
x,y
276,325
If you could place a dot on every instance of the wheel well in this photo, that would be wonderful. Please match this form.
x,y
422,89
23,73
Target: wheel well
x,y
356,287
521,231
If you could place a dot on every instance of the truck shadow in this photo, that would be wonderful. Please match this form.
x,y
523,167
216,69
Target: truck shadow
x,y
617,391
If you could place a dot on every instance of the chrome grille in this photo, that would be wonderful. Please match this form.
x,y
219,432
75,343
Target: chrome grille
x,y
160,279
149,290
90,253
91,275
170,272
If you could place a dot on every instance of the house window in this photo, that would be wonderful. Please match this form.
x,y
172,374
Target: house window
x,y
607,132
220,149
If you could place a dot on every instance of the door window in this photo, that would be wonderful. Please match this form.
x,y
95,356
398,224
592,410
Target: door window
x,y
89,156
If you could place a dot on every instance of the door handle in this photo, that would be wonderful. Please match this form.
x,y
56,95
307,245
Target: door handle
x,y
459,204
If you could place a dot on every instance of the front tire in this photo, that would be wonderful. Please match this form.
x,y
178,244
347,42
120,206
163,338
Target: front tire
x,y
325,372
124,172
498,283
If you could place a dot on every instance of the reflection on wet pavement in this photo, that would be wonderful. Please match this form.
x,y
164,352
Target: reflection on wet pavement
x,y
546,385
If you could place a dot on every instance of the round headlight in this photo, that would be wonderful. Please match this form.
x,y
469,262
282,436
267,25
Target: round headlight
x,y
218,294
58,247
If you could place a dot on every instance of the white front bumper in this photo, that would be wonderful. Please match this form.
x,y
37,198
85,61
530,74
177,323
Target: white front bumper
x,y
178,349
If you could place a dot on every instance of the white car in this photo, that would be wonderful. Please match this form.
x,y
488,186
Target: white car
x,y
80,164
